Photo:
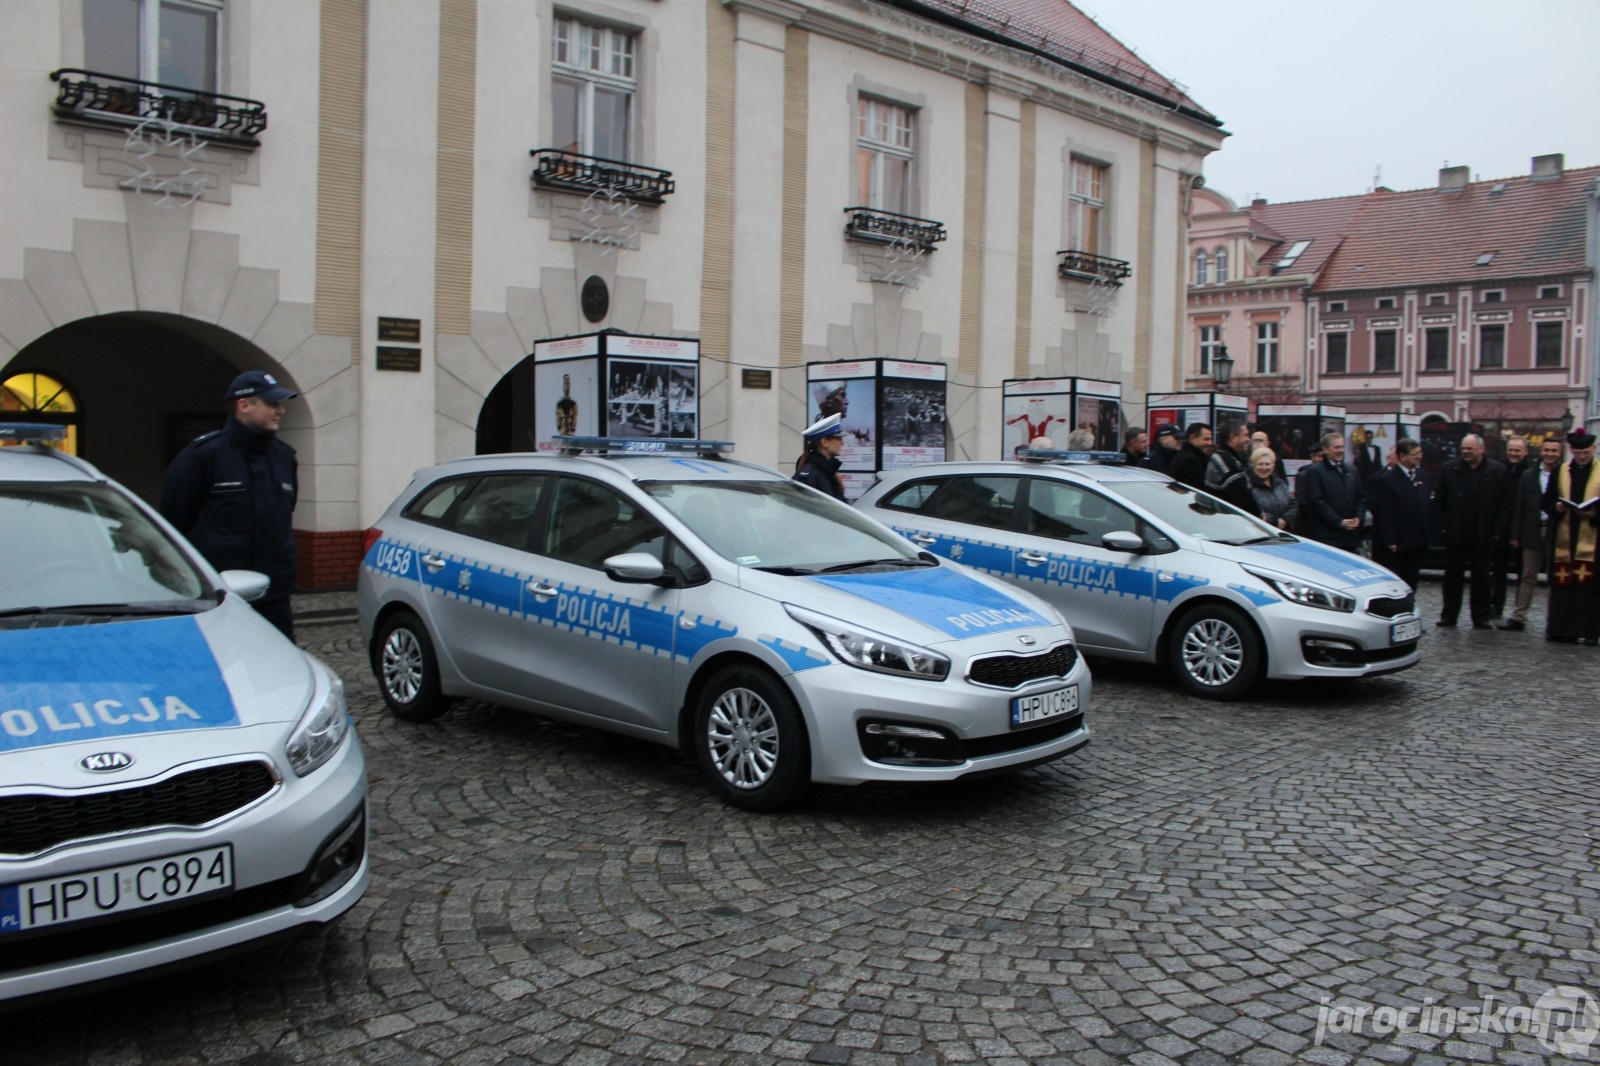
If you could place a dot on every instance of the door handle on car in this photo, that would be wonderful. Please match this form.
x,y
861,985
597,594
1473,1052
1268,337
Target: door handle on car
x,y
923,539
433,562
541,590
1033,558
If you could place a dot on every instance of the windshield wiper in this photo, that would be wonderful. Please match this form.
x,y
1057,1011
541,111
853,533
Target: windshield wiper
x,y
864,563
1247,541
157,607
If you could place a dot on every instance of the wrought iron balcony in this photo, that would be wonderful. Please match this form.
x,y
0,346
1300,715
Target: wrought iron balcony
x,y
1085,266
555,168
88,97
889,227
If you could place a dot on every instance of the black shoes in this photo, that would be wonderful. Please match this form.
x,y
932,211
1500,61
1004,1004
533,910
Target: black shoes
x,y
1513,625
1445,623
1485,624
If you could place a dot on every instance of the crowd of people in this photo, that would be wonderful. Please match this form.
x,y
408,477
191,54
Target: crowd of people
x,y
1492,519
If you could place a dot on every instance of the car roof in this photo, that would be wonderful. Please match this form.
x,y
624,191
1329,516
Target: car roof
x,y
35,462
638,466
1106,473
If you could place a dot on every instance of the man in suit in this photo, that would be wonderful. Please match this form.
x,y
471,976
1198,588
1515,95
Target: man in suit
x,y
1517,464
1189,464
1529,525
1400,511
1469,511
1332,502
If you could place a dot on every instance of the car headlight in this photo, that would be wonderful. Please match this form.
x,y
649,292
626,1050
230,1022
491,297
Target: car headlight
x,y
321,729
867,650
1306,593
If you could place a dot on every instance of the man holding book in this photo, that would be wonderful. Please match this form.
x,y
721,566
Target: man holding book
x,y
1572,500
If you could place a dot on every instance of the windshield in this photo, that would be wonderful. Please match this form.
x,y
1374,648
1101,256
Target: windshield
x,y
1196,514
70,544
778,525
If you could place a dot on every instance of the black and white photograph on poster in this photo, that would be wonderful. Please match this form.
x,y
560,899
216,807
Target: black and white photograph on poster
x,y
564,400
855,401
638,398
912,422
1291,434
1097,426
683,401
1031,417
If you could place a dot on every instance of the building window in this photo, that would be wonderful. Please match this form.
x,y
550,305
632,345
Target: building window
x,y
1436,344
1493,296
1266,347
40,399
165,41
1086,204
1386,303
1221,270
1491,346
1549,338
1335,306
1383,351
592,88
1438,299
1210,346
884,154
1550,292
1338,352
1201,273
1296,250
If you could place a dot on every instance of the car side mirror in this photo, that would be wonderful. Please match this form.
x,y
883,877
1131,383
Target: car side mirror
x,y
248,585
641,567
1120,540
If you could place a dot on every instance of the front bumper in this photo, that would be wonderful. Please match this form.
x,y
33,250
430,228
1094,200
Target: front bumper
x,y
840,703
300,858
1306,642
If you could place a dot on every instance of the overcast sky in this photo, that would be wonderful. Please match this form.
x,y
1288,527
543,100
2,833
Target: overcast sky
x,y
1318,95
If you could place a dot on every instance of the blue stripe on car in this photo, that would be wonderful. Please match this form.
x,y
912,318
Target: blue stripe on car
x,y
1336,564
941,597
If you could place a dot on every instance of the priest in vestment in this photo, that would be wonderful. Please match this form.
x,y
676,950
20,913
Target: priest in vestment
x,y
1574,576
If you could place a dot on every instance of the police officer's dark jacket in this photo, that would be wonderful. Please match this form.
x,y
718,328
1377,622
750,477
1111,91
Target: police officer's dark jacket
x,y
232,493
821,472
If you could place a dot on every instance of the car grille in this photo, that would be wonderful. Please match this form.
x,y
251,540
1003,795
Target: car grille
x,y
32,823
1392,606
1012,671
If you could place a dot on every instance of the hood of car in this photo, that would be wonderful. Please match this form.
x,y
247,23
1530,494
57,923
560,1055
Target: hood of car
x,y
136,680
944,602
1308,560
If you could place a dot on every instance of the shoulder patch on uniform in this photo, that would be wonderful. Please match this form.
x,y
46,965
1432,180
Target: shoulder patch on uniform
x,y
202,438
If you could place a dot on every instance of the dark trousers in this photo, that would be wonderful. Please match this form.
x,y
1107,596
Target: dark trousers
x,y
1501,564
1406,564
279,612
1458,560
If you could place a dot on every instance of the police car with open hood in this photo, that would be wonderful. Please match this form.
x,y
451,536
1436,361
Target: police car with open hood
x,y
664,590
1146,568
176,776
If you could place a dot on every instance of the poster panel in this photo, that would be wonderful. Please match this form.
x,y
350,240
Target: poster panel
x,y
653,348
565,391
1035,415
1097,425
639,398
856,483
1369,438
850,391
912,418
1291,430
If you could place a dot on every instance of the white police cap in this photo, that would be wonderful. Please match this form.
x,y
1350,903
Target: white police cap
x,y
823,427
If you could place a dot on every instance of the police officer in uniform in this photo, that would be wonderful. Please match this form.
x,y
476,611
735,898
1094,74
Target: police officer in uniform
x,y
232,493
819,466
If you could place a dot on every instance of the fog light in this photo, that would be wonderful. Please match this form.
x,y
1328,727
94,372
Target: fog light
x,y
1330,651
336,861
903,744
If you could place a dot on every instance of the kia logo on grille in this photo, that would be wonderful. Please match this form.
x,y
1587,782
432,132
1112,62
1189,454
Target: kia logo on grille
x,y
1026,641
103,762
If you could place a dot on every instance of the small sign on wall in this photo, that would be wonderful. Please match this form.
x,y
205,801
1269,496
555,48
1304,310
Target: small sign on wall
x,y
392,358
403,330
755,379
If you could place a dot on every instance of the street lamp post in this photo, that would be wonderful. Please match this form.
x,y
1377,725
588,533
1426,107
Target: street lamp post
x,y
1566,421
1222,367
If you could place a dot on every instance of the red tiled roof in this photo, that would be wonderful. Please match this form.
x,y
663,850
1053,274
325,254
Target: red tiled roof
x,y
1322,222
1058,30
1425,236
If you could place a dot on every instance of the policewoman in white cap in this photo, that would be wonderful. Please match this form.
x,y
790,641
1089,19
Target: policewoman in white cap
x,y
818,466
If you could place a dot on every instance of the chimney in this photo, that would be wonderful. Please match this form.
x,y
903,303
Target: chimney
x,y
1548,167
1454,179
1260,201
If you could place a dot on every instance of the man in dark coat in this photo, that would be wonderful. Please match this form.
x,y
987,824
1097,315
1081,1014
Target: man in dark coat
x,y
1505,559
1529,528
1226,476
1168,441
232,493
1188,465
1469,511
1400,512
1135,444
1332,502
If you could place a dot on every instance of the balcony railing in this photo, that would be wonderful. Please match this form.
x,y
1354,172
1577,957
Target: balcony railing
x,y
555,168
89,97
889,227
1085,266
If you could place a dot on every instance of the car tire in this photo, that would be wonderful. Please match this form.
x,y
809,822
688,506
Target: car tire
x,y
407,669
1214,652
749,739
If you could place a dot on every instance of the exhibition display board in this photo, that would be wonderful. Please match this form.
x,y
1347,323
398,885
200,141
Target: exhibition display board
x,y
1369,437
892,412
616,385
1182,408
1292,429
1077,414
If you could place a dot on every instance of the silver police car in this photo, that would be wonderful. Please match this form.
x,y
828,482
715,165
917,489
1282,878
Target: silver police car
x,y
1146,568
176,777
665,591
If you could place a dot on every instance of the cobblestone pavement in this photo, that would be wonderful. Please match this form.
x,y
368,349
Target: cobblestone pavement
x,y
1191,888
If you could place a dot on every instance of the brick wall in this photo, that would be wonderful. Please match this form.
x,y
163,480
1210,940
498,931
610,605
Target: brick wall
x,y
328,560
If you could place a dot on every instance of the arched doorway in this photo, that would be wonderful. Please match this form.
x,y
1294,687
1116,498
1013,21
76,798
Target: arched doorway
x,y
33,397
141,385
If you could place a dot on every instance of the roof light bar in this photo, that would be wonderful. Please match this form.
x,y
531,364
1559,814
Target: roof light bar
x,y
642,446
1040,455
32,432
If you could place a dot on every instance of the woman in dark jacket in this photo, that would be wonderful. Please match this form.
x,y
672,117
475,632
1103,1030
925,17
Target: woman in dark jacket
x,y
818,466
1277,501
